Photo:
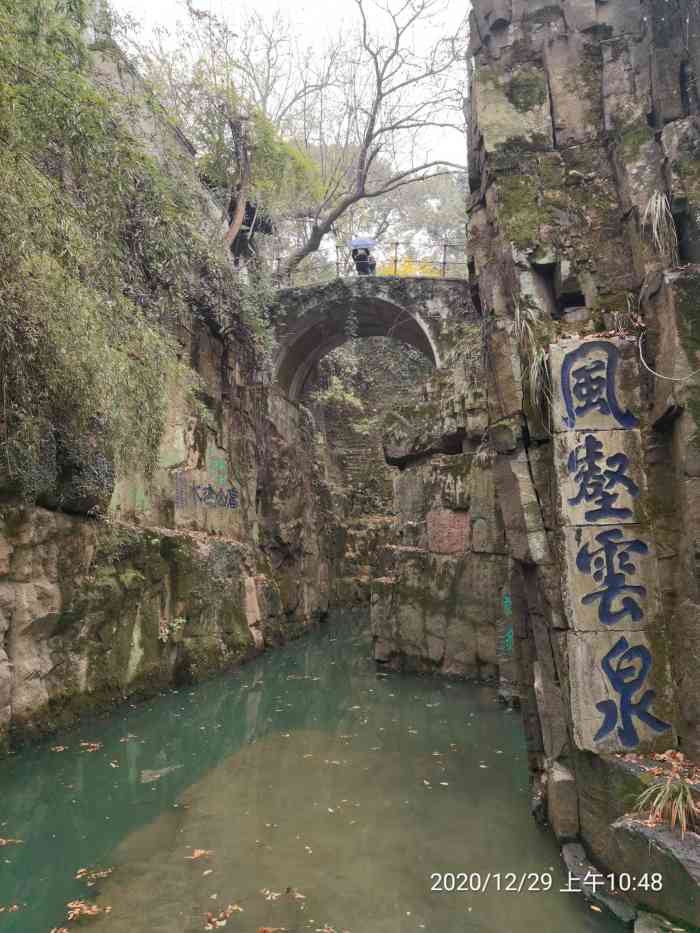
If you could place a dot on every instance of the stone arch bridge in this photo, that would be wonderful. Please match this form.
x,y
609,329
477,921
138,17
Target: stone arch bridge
x,y
311,321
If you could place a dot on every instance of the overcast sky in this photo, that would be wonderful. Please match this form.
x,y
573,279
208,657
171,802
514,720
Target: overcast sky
x,y
317,19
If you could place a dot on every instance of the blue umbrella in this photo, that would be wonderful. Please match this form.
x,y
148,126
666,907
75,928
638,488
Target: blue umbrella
x,y
362,242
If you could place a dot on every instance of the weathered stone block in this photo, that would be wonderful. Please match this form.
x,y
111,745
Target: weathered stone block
x,y
666,87
623,103
658,849
550,710
448,531
622,17
512,107
595,384
522,515
601,478
581,871
611,578
562,802
621,699
575,88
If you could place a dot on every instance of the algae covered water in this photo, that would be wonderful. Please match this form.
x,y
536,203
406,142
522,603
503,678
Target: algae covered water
x,y
303,792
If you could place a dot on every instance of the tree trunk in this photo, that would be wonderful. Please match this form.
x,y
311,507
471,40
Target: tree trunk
x,y
242,187
238,214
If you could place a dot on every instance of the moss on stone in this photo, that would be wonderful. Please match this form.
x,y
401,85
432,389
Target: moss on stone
x,y
520,212
631,138
551,171
545,15
131,578
526,91
687,299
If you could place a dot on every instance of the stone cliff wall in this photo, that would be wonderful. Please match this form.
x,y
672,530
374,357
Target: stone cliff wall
x,y
575,402
223,550
114,584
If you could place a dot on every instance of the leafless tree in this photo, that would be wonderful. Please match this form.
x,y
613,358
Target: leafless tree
x,y
387,90
357,109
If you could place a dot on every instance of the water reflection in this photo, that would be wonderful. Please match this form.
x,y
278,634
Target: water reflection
x,y
304,771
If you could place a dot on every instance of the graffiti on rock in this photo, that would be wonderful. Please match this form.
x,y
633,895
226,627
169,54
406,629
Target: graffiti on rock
x,y
590,386
508,640
218,498
626,668
188,493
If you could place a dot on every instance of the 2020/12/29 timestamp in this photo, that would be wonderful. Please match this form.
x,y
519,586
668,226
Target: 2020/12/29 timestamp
x,y
476,882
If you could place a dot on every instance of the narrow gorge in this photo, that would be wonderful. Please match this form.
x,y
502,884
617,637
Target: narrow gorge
x,y
499,502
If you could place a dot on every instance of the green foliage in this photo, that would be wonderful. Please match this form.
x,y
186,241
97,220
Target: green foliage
x,y
255,298
100,257
280,169
339,395
281,175
168,629
670,799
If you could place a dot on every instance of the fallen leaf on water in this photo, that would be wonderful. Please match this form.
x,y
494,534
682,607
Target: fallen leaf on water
x,y
597,909
212,922
148,776
297,895
270,895
199,853
92,875
91,746
78,909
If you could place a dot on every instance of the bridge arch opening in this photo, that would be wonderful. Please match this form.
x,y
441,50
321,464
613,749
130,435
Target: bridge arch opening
x,y
323,328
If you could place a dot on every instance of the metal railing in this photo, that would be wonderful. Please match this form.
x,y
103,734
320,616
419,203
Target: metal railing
x,y
448,260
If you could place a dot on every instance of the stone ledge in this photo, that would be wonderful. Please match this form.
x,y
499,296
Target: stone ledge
x,y
579,869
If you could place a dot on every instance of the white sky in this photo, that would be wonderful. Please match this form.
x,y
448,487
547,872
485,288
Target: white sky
x,y
317,19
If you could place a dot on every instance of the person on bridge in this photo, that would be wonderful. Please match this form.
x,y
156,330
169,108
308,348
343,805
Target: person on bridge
x,y
365,263
361,259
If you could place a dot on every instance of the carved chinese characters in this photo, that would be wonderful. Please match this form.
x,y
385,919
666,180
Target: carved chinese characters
x,y
619,683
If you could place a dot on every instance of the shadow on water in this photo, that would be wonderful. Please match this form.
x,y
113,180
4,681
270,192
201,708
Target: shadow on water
x,y
306,770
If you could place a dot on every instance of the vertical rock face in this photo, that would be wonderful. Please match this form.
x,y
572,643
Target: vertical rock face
x,y
113,585
557,443
223,551
583,224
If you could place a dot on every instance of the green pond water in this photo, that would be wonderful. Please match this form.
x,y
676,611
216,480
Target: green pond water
x,y
304,770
